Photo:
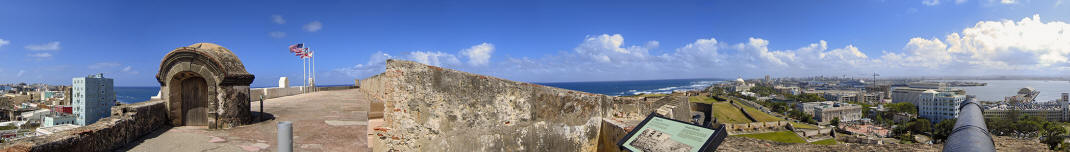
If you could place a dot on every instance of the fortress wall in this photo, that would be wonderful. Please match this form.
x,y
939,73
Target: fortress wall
x,y
429,108
127,123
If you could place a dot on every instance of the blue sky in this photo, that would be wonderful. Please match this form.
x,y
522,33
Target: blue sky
x,y
543,41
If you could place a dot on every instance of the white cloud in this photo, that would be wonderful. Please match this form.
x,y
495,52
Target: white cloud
x,y
1027,43
4,42
608,49
21,72
479,54
434,58
375,65
129,70
960,1
40,55
278,19
277,34
313,26
1026,46
50,46
1008,1
102,65
930,2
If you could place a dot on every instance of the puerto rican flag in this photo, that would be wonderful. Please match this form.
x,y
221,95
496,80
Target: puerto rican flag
x,y
306,54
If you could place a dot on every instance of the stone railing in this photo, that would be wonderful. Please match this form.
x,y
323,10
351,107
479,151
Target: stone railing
x,y
428,108
269,93
127,123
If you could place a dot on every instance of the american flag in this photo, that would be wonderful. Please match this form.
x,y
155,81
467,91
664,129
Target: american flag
x,y
298,48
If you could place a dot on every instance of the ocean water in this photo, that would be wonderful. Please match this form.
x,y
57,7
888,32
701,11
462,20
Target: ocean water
x,y
129,95
623,88
997,89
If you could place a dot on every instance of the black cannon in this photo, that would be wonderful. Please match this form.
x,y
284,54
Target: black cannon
x,y
970,133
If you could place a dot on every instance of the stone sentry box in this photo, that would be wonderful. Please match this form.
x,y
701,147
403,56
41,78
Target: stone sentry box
x,y
205,84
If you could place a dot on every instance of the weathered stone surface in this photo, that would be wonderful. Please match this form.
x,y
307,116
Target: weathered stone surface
x,y
226,79
429,108
127,123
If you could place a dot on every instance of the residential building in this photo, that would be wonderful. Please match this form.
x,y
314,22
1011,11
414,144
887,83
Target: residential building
x,y
57,119
937,106
93,96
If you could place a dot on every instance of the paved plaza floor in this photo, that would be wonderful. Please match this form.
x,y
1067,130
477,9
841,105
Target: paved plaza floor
x,y
322,121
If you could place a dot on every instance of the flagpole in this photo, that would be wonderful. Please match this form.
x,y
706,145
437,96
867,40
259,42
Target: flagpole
x,y
304,83
313,56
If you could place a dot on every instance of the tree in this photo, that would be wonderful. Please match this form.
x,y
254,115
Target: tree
x,y
943,129
809,98
835,121
902,107
920,125
763,90
1053,134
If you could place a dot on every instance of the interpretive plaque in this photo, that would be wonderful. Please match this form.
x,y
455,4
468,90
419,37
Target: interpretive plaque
x,y
660,134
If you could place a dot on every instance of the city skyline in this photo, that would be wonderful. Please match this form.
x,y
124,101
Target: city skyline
x,y
544,41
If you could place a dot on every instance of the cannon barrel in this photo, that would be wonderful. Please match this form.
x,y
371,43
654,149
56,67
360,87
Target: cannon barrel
x,y
970,133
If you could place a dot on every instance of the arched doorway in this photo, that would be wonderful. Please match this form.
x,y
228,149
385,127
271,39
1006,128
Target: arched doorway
x,y
205,85
195,107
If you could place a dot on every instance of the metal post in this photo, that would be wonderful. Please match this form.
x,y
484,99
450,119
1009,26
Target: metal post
x,y
285,133
260,117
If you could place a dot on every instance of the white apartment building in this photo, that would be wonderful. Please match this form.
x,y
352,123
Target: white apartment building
x,y
93,97
937,106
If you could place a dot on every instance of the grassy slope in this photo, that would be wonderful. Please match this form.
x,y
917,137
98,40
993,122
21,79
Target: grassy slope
x,y
803,125
701,99
726,113
759,115
780,136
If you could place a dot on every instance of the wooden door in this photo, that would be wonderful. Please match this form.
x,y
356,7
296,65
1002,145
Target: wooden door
x,y
194,102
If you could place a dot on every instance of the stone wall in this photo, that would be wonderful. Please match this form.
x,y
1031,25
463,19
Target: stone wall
x,y
814,132
127,123
756,127
429,108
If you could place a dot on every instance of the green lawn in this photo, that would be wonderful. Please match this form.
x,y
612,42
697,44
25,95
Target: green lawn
x,y
803,125
701,99
780,136
760,116
726,113
825,142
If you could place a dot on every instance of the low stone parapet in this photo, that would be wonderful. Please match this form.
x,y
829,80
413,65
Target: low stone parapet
x,y
127,123
269,93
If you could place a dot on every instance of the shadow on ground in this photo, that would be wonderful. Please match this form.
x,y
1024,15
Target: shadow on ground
x,y
153,134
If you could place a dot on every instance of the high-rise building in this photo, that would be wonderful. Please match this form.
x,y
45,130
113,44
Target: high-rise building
x,y
93,97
